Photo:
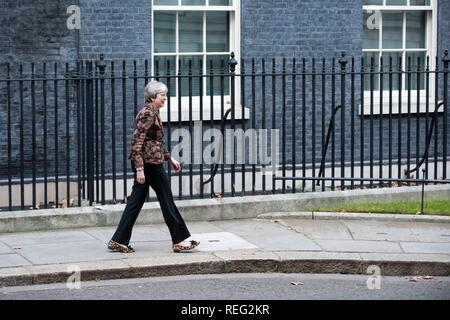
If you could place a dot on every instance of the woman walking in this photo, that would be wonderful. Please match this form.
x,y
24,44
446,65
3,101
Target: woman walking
x,y
148,154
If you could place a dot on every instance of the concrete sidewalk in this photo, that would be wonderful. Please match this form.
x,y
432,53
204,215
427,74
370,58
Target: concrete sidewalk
x,y
270,243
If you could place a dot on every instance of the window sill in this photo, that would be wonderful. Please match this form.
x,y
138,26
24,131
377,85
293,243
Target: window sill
x,y
395,109
206,114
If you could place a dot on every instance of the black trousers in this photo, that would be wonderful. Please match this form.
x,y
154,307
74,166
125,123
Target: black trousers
x,y
157,178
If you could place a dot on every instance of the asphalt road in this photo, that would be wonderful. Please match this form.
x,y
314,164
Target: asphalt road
x,y
242,287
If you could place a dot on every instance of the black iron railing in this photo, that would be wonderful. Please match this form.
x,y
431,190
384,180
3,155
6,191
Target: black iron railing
x,y
340,124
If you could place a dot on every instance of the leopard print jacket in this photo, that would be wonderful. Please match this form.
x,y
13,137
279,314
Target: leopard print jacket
x,y
147,145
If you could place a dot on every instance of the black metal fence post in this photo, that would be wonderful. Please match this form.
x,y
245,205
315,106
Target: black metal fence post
x,y
113,132
90,131
423,190
232,62
446,61
102,66
343,62
78,140
124,129
33,132
22,160
8,97
242,103
67,98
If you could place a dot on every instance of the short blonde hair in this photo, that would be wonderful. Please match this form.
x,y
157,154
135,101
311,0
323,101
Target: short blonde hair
x,y
153,88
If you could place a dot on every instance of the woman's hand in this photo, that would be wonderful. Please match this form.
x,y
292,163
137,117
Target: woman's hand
x,y
140,176
176,165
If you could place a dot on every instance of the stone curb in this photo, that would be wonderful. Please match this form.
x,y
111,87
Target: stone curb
x,y
25,276
219,209
355,216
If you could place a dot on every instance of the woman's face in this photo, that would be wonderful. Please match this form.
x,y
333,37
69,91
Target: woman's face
x,y
160,100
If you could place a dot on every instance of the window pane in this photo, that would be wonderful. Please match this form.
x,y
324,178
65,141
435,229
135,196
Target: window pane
x,y
191,31
396,2
220,2
417,59
192,2
165,2
164,31
419,2
194,68
371,32
166,67
394,64
372,2
392,30
219,66
415,29
217,31
371,60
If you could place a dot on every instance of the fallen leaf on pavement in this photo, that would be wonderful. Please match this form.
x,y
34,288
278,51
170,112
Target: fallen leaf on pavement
x,y
413,279
296,283
248,253
17,248
428,277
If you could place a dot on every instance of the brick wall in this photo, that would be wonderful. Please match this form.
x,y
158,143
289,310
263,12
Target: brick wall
x,y
304,28
119,29
35,30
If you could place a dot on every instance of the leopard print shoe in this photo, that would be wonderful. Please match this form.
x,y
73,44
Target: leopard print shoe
x,y
115,246
180,248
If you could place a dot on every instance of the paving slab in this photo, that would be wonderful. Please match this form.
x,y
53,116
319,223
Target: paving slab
x,y
319,229
203,227
140,233
423,247
286,241
251,227
5,249
399,231
359,246
151,249
219,241
13,260
43,237
68,252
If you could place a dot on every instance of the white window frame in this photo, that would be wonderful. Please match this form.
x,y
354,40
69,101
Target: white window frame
x,y
431,51
234,41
